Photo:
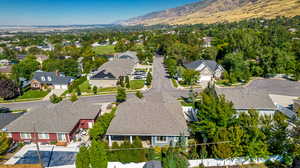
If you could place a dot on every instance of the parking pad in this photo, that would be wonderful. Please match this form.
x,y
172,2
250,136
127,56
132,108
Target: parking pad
x,y
50,158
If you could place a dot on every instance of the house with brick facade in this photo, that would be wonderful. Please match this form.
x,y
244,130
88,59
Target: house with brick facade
x,y
54,122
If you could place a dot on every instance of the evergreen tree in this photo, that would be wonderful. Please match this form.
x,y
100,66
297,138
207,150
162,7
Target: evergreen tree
x,y
83,158
149,79
95,90
127,82
97,154
121,95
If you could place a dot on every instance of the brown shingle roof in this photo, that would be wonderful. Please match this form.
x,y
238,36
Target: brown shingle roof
x,y
155,114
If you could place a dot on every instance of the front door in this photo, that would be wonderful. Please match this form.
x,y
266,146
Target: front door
x,y
61,137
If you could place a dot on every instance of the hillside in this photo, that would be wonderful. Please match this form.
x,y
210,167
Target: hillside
x,y
212,11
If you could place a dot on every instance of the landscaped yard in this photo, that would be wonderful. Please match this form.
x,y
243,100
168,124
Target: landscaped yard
x,y
104,50
33,94
137,84
85,87
108,89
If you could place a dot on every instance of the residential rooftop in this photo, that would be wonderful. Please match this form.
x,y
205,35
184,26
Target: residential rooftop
x,y
61,117
114,69
247,98
6,118
156,114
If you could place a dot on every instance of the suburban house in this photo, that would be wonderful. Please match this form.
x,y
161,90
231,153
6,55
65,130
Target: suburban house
x,y
61,122
41,58
5,62
132,55
207,41
157,119
110,72
245,99
56,80
209,70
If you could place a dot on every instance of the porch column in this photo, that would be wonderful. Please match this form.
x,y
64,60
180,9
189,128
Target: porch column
x,y
130,139
109,141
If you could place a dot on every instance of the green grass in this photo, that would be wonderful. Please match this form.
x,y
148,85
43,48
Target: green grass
x,y
33,94
85,87
174,82
108,89
137,84
104,50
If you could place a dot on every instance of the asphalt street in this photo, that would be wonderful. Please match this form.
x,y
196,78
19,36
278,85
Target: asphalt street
x,y
160,83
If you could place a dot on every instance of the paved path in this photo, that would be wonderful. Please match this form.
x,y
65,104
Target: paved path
x,y
160,83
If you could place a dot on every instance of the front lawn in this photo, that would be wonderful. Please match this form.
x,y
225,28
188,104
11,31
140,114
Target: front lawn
x,y
104,50
108,89
33,94
137,84
85,87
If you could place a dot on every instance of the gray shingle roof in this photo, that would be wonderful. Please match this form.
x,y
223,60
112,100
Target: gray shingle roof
x,y
155,114
51,78
114,69
54,118
128,55
6,118
245,98
212,65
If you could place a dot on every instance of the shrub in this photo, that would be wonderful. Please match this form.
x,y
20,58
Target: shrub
x,y
73,97
139,94
55,99
95,89
121,95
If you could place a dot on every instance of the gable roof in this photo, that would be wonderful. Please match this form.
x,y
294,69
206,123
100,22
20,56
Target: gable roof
x,y
212,65
51,78
6,118
155,114
114,69
128,55
245,98
54,118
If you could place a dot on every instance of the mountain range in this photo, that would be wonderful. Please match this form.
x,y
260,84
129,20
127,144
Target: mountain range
x,y
213,11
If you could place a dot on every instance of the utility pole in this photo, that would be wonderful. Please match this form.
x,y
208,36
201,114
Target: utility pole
x,y
37,146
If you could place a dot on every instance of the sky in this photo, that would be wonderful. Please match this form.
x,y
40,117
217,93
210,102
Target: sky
x,y
64,12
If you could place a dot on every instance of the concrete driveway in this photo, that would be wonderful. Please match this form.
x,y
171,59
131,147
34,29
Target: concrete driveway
x,y
57,92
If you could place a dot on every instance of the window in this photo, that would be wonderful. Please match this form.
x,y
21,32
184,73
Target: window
x,y
43,136
61,137
49,78
161,139
43,78
9,135
25,135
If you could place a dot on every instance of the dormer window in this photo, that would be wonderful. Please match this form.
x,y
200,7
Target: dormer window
x,y
43,78
49,78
